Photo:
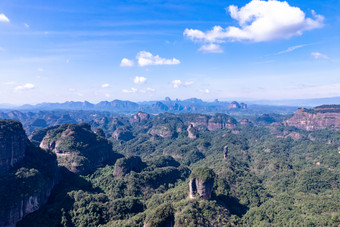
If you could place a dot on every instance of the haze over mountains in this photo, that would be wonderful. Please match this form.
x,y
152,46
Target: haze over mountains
x,y
192,105
186,105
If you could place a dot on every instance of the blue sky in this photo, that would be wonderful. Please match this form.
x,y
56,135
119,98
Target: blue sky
x,y
55,51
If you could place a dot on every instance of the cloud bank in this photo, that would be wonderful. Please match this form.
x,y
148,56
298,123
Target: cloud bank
x,y
259,21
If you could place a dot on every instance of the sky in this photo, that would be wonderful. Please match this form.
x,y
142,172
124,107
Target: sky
x,y
76,50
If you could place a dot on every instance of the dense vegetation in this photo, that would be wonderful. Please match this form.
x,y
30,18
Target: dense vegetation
x,y
267,179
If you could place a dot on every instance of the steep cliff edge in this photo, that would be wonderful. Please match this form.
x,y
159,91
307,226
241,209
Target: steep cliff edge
x,y
27,178
13,143
326,116
78,148
201,182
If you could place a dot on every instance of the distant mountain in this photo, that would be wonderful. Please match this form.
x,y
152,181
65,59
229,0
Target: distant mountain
x,y
192,105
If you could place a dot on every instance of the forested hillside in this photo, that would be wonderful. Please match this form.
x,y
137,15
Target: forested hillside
x,y
250,174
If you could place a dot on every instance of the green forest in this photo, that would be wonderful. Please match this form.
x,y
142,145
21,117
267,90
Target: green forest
x,y
261,180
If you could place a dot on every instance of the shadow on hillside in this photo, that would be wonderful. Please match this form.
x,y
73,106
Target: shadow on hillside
x,y
232,204
59,201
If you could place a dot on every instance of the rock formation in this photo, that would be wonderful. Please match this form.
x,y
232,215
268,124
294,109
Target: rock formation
x,y
201,182
124,166
139,118
28,174
100,132
192,132
13,143
246,122
122,133
162,130
78,148
326,116
225,151
221,121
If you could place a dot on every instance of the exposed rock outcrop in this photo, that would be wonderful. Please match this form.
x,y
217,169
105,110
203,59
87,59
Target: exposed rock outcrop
x,y
236,105
13,143
122,133
201,182
192,132
139,118
28,174
221,121
78,148
162,130
327,116
124,166
100,132
225,151
246,122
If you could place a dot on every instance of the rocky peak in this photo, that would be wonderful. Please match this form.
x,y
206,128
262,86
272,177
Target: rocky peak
x,y
192,132
13,142
225,151
221,121
100,132
122,133
139,117
78,148
246,122
320,117
201,182
124,166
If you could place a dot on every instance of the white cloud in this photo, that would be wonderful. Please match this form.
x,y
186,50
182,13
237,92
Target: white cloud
x,y
27,86
132,90
139,80
146,58
211,48
3,18
40,69
176,83
260,21
207,91
150,89
135,90
10,83
27,25
318,55
179,83
105,85
126,63
107,95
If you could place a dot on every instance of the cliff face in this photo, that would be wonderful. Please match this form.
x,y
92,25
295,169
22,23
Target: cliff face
x,y
19,209
315,119
162,131
221,121
13,143
192,132
201,182
28,174
139,117
78,148
125,165
218,121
